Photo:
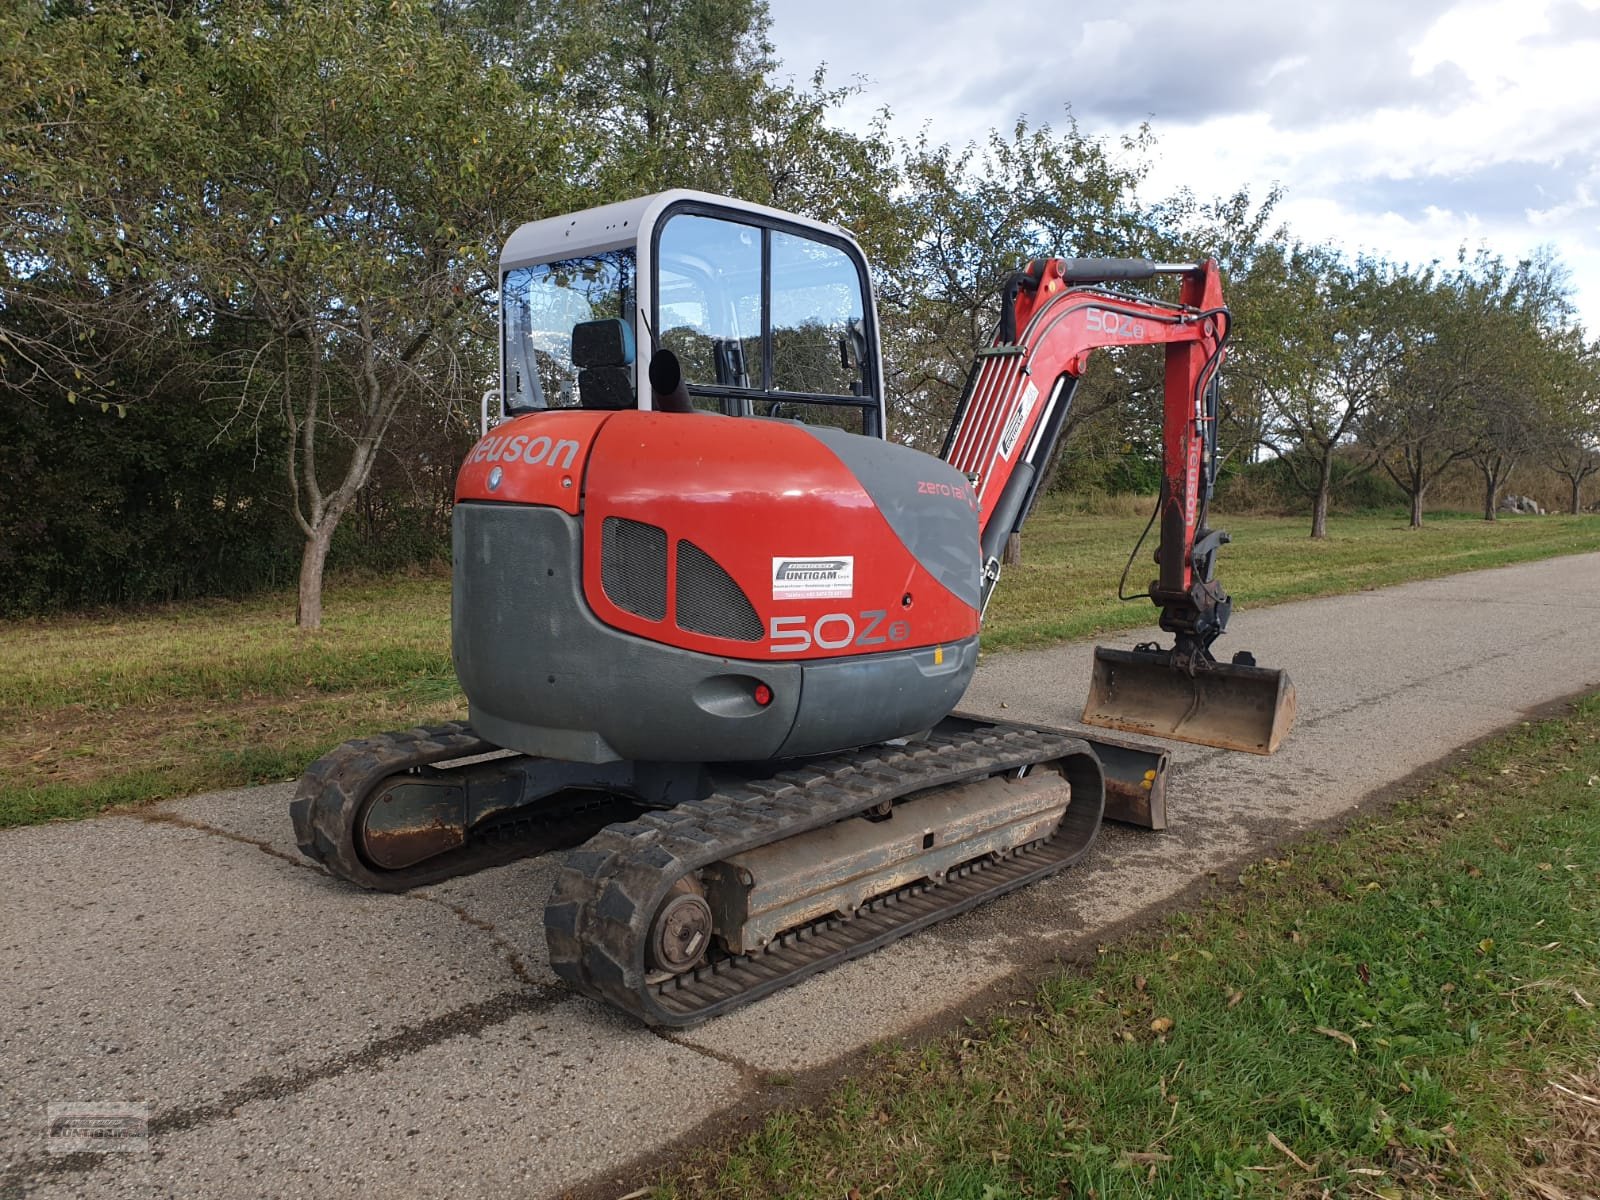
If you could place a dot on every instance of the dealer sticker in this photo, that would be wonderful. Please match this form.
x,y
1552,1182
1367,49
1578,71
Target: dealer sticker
x,y
1013,430
817,578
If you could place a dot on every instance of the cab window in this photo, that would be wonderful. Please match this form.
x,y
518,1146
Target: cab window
x,y
540,305
816,303
708,301
764,321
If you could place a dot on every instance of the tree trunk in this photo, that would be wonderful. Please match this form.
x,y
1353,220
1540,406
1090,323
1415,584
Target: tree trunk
x,y
1416,508
1491,491
1577,495
1319,506
308,613
1012,555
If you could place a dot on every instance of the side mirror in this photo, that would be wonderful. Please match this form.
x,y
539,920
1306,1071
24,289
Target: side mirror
x,y
666,383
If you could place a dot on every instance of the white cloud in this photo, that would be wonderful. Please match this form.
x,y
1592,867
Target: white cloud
x,y
1400,129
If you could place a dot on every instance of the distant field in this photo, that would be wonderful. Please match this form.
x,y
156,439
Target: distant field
x,y
105,711
1066,586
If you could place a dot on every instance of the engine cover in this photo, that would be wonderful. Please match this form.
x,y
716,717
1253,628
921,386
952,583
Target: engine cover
x,y
697,587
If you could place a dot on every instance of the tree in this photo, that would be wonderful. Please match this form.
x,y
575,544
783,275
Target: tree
x,y
1348,346
1420,426
70,181
1572,447
665,87
788,154
322,188
356,221
1575,462
1520,315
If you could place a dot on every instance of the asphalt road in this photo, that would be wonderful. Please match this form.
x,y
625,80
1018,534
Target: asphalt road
x,y
292,1036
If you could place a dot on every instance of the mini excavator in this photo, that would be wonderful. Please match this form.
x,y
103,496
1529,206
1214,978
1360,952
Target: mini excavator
x,y
712,624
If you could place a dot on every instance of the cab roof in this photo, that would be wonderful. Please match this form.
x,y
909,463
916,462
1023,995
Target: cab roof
x,y
614,226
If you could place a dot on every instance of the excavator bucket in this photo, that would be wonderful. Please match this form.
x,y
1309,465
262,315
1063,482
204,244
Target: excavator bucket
x,y
1228,705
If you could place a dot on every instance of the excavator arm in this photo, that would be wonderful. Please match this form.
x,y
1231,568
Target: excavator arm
x,y
1054,314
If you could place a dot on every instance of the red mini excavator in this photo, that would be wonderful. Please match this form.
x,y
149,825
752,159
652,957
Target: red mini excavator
x,y
712,626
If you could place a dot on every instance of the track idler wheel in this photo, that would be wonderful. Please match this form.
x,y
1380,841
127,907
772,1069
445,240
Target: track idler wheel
x,y
680,935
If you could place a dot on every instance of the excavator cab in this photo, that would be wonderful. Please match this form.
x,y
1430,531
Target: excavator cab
x,y
754,311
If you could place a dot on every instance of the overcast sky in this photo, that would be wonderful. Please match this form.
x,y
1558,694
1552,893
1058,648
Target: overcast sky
x,y
1406,128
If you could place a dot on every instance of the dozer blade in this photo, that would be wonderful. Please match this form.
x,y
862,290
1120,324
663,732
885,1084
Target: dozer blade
x,y
1227,705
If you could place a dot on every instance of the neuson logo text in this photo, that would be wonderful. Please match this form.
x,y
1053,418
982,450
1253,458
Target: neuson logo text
x,y
813,578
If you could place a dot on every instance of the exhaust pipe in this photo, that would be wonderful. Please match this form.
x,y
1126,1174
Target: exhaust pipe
x,y
1232,706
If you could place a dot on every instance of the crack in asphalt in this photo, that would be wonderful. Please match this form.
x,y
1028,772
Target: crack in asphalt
x,y
29,1170
513,956
32,1169
1417,683
159,817
749,1075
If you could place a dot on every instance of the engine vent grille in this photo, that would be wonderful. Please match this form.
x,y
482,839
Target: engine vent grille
x,y
633,566
710,602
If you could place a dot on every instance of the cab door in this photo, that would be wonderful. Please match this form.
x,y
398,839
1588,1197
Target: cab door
x,y
767,319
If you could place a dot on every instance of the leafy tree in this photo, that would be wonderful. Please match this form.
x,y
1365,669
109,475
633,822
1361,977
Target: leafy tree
x,y
1520,316
71,183
1347,346
1576,461
788,154
1572,448
1421,426
321,187
666,87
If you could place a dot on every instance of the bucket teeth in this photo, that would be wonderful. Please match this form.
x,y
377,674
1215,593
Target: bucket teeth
x,y
1231,706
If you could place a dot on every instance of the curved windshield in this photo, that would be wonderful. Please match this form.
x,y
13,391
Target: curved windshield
x,y
539,307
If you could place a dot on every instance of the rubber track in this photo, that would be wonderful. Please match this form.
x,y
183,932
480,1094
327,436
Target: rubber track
x,y
329,798
609,889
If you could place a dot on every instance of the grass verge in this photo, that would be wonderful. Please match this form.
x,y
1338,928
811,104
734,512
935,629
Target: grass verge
x,y
101,712
98,712
1408,1009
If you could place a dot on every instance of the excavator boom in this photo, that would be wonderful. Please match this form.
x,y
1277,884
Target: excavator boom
x,y
1055,312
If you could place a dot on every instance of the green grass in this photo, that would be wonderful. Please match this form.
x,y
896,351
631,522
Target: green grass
x,y
375,635
107,711
1065,588
1386,1007
100,711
